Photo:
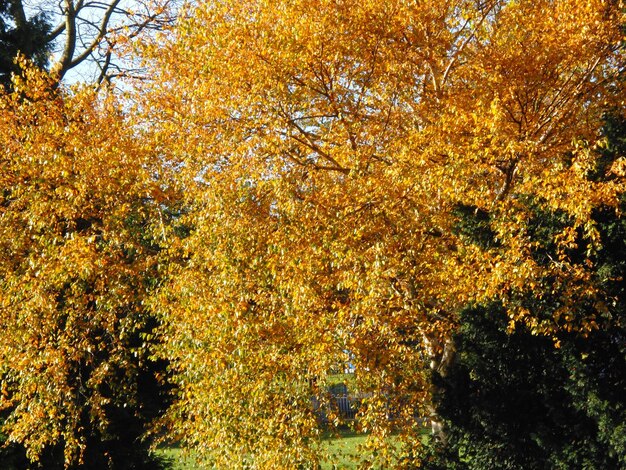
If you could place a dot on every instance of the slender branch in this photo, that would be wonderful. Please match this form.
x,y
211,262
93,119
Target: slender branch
x,y
104,68
313,146
60,28
454,58
101,32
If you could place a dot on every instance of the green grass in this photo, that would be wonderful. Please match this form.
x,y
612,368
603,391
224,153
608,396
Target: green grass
x,y
343,449
178,459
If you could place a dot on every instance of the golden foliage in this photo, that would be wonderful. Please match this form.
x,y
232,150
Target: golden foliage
x,y
75,215
322,147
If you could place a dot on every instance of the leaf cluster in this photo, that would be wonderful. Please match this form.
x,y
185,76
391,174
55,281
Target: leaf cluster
x,y
77,259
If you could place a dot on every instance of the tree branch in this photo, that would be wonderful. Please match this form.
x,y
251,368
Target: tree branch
x,y
62,66
101,32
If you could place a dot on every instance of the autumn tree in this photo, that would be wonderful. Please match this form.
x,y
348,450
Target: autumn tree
x,y
78,202
323,148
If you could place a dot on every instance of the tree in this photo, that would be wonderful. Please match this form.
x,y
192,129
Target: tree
x,y
99,33
323,149
514,400
70,34
19,34
77,259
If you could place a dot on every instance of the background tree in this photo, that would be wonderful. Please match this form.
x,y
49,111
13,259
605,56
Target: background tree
x,y
514,400
97,33
77,260
323,149
21,34
87,37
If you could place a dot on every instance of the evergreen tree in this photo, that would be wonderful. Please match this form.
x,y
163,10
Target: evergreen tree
x,y
512,400
20,34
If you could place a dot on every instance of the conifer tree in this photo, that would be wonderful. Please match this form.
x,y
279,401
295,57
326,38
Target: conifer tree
x,y
513,399
21,34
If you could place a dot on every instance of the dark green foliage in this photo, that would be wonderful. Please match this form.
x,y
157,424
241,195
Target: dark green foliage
x,y
12,456
18,34
119,446
614,130
514,401
473,224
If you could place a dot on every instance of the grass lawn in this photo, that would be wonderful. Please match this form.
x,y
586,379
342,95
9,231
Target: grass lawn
x,y
179,462
342,449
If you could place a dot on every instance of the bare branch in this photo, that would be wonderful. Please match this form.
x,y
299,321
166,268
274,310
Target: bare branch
x,y
62,66
96,41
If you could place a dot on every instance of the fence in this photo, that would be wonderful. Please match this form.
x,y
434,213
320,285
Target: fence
x,y
344,405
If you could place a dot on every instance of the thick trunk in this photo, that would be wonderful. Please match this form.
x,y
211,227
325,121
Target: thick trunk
x,y
442,354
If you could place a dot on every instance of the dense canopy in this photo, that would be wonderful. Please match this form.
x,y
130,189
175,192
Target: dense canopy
x,y
303,187
76,260
324,150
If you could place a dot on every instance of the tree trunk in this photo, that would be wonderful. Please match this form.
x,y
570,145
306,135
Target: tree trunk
x,y
442,355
